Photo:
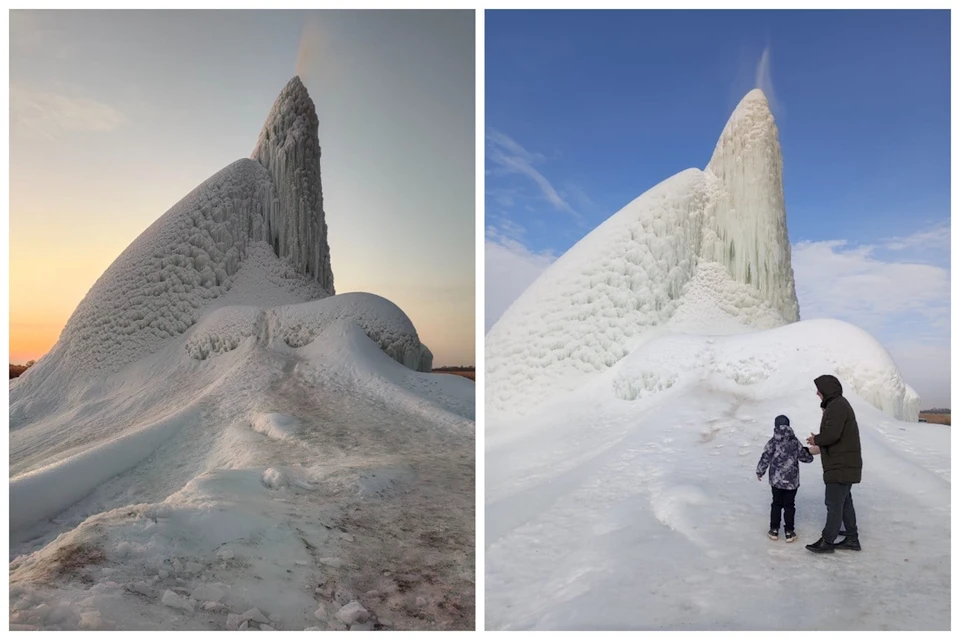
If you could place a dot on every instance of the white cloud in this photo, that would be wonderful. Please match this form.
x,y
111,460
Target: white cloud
x,y
936,237
904,305
510,157
510,269
836,280
50,114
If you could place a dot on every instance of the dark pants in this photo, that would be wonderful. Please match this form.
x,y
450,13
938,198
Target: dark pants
x,y
839,509
783,499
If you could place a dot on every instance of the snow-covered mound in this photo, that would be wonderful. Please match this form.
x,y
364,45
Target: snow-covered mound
x,y
298,325
381,320
218,441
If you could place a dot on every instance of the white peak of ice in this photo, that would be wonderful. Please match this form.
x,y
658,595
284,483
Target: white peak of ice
x,y
745,227
289,148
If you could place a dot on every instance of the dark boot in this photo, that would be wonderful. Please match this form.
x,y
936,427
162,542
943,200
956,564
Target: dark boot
x,y
851,544
820,547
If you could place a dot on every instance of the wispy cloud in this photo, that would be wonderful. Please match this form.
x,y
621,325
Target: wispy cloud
x,y
936,237
50,115
510,157
892,299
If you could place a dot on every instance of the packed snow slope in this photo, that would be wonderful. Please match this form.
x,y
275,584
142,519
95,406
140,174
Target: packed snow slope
x,y
631,390
219,442
633,503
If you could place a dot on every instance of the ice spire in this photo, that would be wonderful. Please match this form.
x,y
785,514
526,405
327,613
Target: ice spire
x,y
289,148
748,220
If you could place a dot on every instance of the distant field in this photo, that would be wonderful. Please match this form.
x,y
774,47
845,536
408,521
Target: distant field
x,y
938,418
469,374
17,369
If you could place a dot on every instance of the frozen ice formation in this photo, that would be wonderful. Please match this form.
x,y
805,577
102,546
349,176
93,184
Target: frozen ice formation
x,y
159,286
251,237
290,150
703,252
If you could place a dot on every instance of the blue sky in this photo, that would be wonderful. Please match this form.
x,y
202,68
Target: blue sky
x,y
587,110
117,115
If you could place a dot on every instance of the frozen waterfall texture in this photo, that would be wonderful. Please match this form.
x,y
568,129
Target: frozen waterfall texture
x,y
703,252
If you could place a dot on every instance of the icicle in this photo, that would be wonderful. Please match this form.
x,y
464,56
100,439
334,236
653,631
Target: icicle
x,y
289,149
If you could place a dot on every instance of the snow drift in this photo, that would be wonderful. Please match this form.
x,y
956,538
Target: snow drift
x,y
218,441
630,391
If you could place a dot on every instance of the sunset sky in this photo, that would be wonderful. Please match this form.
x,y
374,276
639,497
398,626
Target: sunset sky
x,y
115,116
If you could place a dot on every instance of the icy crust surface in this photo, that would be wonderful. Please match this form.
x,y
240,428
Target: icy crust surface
x,y
381,320
711,299
708,246
774,363
581,315
158,286
297,325
289,148
223,330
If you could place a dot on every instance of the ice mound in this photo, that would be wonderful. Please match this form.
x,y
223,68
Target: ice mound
x,y
703,252
223,330
380,319
251,237
772,363
165,280
298,325
277,426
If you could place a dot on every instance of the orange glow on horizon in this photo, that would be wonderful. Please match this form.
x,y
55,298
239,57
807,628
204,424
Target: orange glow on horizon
x,y
32,341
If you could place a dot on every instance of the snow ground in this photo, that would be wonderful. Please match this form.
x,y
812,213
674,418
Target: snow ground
x,y
604,512
367,494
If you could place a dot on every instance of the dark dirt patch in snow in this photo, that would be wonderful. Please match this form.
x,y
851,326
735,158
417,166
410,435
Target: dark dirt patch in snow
x,y
70,560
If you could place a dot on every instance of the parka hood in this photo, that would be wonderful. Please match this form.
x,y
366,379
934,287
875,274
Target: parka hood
x,y
829,387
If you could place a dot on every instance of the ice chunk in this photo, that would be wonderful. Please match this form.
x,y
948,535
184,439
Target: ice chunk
x,y
255,615
353,612
90,620
176,602
208,592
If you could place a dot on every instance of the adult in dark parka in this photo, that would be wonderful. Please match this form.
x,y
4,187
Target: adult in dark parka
x,y
839,444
